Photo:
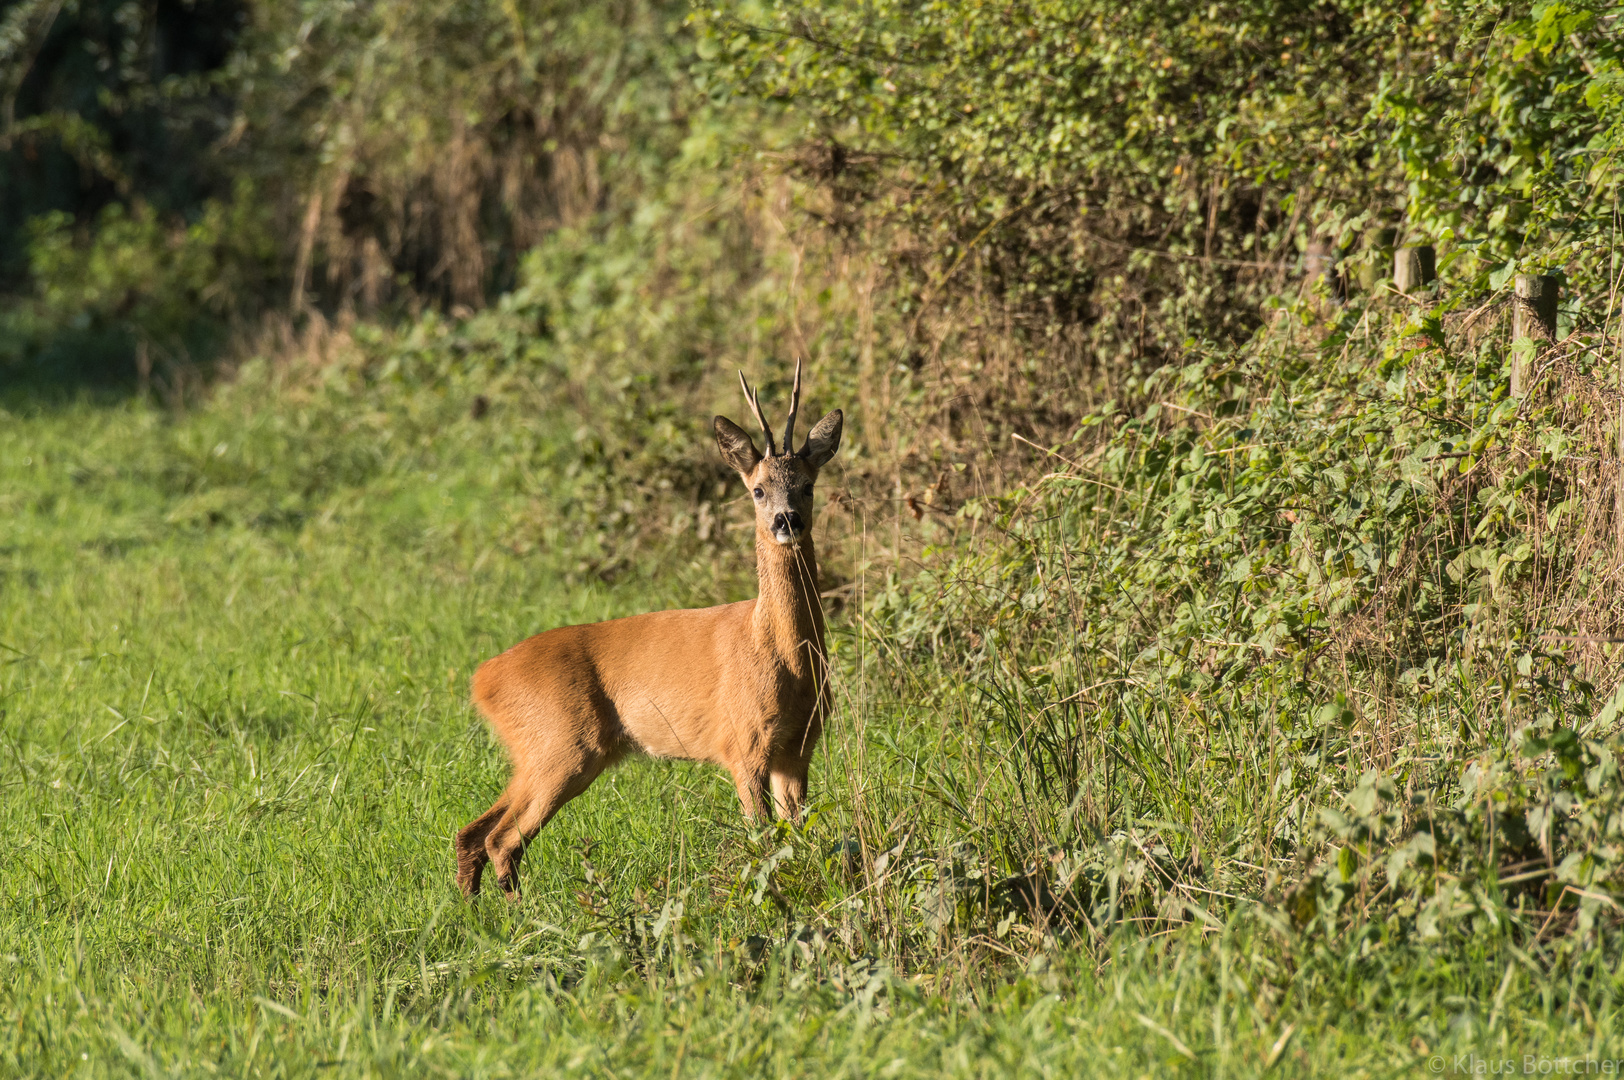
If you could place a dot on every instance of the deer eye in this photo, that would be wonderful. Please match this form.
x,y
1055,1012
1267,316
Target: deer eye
x,y
758,493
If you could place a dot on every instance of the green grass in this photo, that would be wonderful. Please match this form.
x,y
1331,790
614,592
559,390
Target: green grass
x,y
236,743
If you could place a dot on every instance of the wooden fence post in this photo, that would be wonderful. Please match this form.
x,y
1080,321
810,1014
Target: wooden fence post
x,y
1414,267
1379,242
1533,315
1320,264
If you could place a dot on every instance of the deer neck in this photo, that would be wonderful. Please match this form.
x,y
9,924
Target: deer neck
x,y
788,616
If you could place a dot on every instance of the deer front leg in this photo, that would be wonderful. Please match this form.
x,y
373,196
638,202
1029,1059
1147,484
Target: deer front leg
x,y
790,766
751,779
789,787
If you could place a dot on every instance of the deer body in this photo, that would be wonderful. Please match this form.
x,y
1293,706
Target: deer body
x,y
742,685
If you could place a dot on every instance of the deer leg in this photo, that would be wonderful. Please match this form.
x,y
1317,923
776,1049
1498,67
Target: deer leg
x,y
789,769
471,854
789,787
528,812
751,780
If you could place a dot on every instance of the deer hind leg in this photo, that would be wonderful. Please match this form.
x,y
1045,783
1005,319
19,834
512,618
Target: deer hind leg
x,y
531,805
471,854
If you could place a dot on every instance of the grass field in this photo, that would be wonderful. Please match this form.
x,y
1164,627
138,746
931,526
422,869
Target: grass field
x,y
236,743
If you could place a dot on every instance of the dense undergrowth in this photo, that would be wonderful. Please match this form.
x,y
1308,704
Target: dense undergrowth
x,y
1367,598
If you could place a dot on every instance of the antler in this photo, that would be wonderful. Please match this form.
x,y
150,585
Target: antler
x,y
794,403
753,399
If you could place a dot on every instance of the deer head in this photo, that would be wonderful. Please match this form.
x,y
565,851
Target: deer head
x,y
780,482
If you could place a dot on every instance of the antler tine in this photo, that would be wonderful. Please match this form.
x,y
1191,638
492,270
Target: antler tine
x,y
794,404
754,401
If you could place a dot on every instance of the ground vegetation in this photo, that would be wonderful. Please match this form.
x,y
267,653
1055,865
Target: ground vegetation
x,y
1224,640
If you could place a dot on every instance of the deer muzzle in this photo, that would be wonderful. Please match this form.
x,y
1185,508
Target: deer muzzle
x,y
788,527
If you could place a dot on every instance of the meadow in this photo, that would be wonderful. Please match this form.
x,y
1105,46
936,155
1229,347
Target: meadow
x,y
238,741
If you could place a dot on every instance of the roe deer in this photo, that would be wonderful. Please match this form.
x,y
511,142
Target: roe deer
x,y
742,685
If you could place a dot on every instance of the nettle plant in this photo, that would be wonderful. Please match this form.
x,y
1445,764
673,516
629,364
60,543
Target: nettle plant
x,y
1336,579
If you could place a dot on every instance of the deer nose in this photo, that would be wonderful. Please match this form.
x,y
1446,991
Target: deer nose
x,y
790,523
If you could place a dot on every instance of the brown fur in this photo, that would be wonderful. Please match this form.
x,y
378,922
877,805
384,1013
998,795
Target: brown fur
x,y
743,685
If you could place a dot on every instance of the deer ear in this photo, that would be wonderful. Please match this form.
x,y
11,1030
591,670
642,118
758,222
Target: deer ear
x,y
735,445
822,441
